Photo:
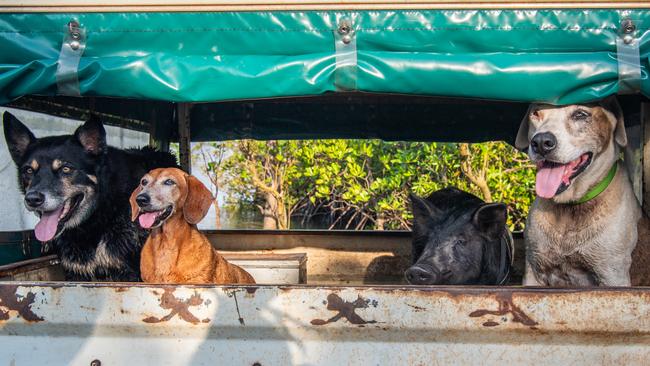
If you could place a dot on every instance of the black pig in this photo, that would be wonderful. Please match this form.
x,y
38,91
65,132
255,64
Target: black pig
x,y
458,239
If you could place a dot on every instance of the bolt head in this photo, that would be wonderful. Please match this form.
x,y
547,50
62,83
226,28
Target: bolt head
x,y
628,26
628,39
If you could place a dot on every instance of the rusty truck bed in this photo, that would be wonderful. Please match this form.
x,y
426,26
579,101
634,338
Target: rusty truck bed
x,y
107,324
333,320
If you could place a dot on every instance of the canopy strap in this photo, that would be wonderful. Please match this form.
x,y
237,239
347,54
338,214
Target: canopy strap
x,y
628,58
72,48
346,54
507,257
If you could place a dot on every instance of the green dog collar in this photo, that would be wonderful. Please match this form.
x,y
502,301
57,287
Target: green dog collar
x,y
600,187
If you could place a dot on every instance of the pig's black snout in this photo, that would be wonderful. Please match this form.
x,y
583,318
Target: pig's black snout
x,y
143,199
34,199
420,275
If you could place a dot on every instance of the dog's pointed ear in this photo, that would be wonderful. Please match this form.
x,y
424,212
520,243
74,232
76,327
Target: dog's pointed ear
x,y
92,136
17,135
490,219
135,209
521,141
198,200
611,104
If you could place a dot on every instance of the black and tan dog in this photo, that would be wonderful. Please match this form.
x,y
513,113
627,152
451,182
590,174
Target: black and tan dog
x,y
80,187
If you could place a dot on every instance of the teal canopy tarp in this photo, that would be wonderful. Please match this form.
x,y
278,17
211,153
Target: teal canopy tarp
x,y
556,56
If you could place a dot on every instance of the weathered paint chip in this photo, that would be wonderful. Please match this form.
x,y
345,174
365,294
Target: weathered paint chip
x,y
346,310
178,307
9,301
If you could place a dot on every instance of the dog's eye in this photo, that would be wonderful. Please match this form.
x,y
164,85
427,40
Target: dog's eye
x,y
535,114
66,170
29,170
144,182
580,114
169,182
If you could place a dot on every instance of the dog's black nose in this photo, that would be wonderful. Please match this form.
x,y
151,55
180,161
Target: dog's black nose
x,y
543,143
418,275
142,199
34,199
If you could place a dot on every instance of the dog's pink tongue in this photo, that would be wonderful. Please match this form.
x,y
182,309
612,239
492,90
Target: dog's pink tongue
x,y
147,219
46,228
548,180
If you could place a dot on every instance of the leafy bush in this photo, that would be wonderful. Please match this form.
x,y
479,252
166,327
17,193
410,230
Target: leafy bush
x,y
364,184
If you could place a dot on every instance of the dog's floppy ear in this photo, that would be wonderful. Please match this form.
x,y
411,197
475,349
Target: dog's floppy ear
x,y
198,200
521,142
17,135
92,136
611,104
135,209
490,219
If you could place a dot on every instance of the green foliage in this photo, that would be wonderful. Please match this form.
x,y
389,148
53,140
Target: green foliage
x,y
364,184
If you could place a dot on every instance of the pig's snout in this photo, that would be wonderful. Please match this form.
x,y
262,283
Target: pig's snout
x,y
424,274
420,275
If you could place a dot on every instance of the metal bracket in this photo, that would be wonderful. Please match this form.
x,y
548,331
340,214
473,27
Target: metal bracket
x,y
346,54
183,114
26,244
72,48
629,60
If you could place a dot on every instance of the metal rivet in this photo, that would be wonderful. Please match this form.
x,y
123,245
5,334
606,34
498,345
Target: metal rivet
x,y
73,25
74,45
95,363
346,39
628,39
345,27
628,26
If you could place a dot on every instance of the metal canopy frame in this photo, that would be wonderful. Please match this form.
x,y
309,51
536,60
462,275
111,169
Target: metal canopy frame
x,y
61,6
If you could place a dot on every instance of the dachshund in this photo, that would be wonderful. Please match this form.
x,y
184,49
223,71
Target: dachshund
x,y
170,203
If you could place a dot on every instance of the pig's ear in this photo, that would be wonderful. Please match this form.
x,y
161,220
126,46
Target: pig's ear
x,y
423,212
490,219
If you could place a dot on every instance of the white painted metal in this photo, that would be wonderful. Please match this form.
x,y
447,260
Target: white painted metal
x,y
277,272
169,325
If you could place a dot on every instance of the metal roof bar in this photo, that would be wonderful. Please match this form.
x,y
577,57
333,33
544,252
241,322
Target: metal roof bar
x,y
61,6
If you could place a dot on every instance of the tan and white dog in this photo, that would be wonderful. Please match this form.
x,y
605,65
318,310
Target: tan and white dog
x,y
583,227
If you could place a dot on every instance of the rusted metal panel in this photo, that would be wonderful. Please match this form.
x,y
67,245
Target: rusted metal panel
x,y
335,257
67,324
